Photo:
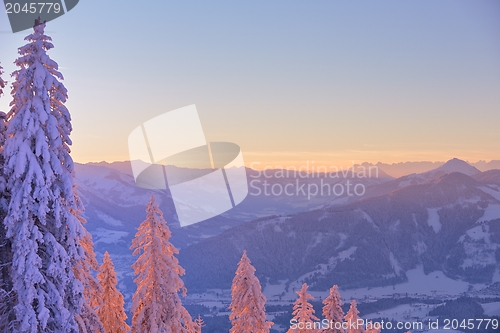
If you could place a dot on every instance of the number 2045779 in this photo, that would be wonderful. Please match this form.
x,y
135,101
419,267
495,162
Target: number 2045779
x,y
33,8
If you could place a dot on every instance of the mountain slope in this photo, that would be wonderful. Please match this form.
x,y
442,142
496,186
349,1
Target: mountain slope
x,y
454,165
443,224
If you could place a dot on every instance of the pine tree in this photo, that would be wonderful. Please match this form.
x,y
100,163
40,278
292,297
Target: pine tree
x,y
156,305
332,310
111,312
248,313
303,313
199,323
354,323
44,233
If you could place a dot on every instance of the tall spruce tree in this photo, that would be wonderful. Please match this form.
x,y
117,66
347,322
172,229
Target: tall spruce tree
x,y
248,312
332,310
44,233
156,305
303,313
111,312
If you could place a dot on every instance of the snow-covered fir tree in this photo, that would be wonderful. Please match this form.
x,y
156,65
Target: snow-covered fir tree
x,y
332,310
84,270
111,312
156,305
248,312
199,324
303,313
354,323
44,233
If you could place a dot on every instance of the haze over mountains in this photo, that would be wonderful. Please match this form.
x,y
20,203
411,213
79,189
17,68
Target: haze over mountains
x,y
395,170
406,168
445,220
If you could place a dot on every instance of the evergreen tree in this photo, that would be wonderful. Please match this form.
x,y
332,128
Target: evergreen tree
x,y
111,312
332,310
303,313
44,233
354,323
248,313
199,323
156,305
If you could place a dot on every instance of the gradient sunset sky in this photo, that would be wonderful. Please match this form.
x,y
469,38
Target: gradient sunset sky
x,y
289,81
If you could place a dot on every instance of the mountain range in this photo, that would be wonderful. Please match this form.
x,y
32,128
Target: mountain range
x,y
446,219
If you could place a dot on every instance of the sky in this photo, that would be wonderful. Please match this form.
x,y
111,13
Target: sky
x,y
328,82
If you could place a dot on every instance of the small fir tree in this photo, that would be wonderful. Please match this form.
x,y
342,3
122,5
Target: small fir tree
x,y
156,305
248,313
111,312
199,324
303,313
354,322
332,310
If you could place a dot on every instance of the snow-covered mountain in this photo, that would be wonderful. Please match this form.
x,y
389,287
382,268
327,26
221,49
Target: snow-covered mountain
x,y
445,220
449,224
453,165
406,168
115,207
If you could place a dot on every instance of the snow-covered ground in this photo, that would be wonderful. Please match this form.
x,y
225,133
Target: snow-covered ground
x,y
433,220
491,213
403,313
491,309
107,236
434,284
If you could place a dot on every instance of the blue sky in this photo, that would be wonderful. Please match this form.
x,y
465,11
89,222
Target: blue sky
x,y
289,81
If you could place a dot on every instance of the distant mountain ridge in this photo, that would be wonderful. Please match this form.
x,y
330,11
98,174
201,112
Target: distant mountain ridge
x,y
454,165
395,170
